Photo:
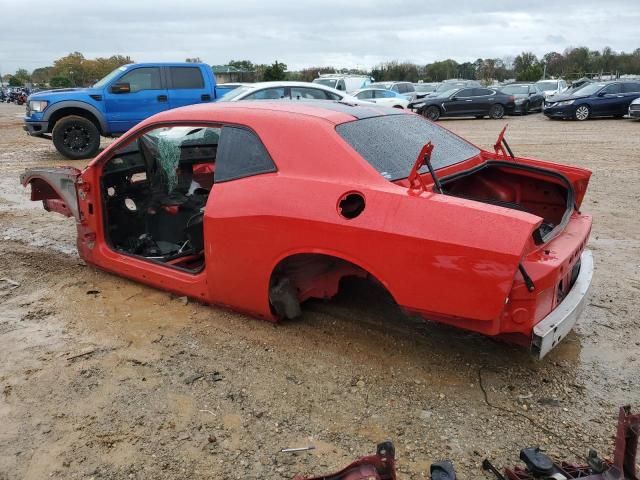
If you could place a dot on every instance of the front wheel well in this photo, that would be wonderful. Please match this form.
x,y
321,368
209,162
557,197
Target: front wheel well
x,y
302,276
79,112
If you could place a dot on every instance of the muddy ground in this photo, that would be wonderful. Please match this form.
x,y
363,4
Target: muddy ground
x,y
104,378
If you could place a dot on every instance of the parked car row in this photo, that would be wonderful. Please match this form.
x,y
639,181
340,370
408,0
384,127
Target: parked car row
x,y
596,99
75,119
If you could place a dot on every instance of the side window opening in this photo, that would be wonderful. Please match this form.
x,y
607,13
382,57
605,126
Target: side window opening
x,y
241,154
186,78
144,78
267,94
154,192
613,89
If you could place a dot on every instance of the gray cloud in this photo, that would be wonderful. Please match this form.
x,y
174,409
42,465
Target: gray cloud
x,y
314,32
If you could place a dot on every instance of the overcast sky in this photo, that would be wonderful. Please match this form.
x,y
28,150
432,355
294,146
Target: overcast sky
x,y
309,33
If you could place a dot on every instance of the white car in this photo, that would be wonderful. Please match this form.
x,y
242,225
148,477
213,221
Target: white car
x,y
343,81
551,87
285,91
634,108
382,96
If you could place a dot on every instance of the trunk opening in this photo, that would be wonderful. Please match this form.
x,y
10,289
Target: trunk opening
x,y
538,191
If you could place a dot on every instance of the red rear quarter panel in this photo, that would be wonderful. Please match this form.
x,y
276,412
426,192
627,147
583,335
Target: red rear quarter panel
x,y
437,255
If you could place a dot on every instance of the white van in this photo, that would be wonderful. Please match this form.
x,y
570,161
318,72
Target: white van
x,y
344,82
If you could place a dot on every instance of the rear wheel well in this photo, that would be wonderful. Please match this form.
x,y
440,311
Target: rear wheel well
x,y
303,276
80,112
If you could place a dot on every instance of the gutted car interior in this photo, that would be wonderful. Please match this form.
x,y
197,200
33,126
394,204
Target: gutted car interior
x,y
529,189
154,192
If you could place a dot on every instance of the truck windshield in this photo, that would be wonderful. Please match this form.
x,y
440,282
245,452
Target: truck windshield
x,y
391,143
105,80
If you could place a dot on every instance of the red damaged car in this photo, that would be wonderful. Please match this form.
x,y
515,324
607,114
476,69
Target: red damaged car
x,y
259,206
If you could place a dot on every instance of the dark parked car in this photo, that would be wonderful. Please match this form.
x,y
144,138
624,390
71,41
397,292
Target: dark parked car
x,y
598,99
465,102
528,97
451,84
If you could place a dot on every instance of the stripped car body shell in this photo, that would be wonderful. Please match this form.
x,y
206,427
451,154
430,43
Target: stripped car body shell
x,y
444,257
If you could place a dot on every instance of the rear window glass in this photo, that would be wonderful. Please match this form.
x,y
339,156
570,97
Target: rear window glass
x,y
241,154
391,143
631,87
186,77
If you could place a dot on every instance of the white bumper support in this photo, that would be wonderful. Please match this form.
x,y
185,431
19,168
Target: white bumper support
x,y
555,326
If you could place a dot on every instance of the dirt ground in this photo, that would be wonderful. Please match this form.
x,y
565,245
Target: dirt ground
x,y
104,378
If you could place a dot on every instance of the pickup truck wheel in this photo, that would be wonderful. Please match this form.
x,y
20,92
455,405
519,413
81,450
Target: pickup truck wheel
x,y
76,137
496,112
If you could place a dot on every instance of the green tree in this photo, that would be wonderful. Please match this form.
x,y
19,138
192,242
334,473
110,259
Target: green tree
x,y
527,68
15,81
71,67
310,73
274,72
442,70
41,75
22,75
467,70
246,65
60,82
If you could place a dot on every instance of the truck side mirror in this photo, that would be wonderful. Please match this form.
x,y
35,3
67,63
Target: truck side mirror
x,y
120,88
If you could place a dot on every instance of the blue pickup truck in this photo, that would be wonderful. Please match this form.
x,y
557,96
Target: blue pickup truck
x,y
75,118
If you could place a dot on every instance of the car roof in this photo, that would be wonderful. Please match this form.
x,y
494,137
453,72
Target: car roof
x,y
286,83
326,110
380,89
388,82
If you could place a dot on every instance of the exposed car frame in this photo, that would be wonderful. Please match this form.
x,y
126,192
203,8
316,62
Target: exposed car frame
x,y
320,207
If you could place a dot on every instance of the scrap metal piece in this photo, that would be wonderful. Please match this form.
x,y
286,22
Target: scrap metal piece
x,y
623,466
380,466
487,465
297,449
442,471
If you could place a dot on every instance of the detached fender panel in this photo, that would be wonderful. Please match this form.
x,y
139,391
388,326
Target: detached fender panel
x,y
56,187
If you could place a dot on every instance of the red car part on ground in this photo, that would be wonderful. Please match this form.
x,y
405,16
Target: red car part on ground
x,y
381,466
259,206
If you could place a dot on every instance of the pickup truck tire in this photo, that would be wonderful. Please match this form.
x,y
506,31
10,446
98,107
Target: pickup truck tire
x,y
76,137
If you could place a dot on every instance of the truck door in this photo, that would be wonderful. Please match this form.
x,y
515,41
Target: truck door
x,y
133,97
186,86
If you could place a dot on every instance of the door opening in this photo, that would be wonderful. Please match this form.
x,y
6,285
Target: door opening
x,y
154,195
